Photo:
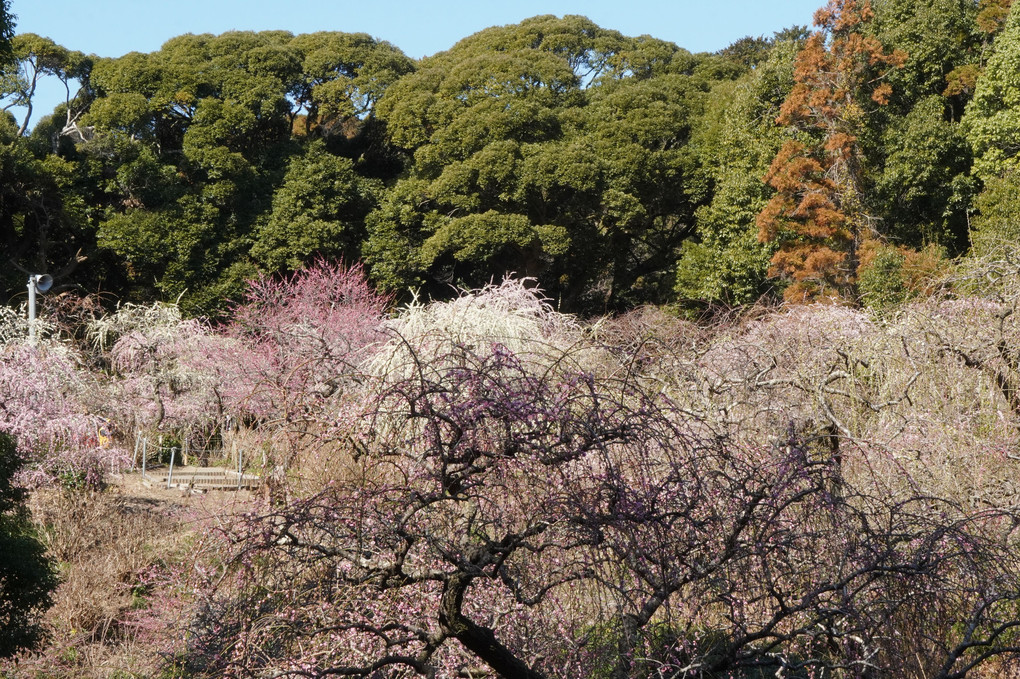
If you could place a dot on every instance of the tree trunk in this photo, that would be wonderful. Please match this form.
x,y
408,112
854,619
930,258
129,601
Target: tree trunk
x,y
479,640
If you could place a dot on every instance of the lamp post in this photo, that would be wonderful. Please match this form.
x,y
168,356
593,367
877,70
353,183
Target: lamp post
x,y
36,283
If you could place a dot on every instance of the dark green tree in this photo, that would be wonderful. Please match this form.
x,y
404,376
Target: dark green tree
x,y
35,58
736,139
7,23
46,216
27,576
552,148
921,186
201,136
925,189
939,37
992,119
318,209
992,124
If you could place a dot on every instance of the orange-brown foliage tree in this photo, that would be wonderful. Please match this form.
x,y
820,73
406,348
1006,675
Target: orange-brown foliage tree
x,y
990,19
992,15
817,214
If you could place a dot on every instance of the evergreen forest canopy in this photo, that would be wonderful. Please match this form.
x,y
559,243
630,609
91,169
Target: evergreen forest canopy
x,y
851,160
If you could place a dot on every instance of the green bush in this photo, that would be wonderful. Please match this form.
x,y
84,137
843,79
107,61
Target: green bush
x,y
27,576
891,275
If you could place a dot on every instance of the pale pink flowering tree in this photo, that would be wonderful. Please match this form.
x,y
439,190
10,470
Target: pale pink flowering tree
x,y
164,371
51,403
907,387
45,406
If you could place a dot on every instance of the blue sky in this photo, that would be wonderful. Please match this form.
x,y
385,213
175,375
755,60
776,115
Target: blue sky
x,y
111,28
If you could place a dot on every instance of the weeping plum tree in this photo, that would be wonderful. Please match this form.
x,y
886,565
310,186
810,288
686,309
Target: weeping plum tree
x,y
49,407
543,511
292,348
304,332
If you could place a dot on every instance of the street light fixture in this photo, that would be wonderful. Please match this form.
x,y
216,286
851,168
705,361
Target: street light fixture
x,y
36,283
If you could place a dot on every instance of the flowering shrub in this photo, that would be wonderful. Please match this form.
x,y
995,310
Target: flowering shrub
x,y
166,368
291,353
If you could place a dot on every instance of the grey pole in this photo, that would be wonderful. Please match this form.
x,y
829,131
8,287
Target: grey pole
x,y
36,283
170,476
31,310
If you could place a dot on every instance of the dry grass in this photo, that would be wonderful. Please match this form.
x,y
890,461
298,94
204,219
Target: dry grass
x,y
122,555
